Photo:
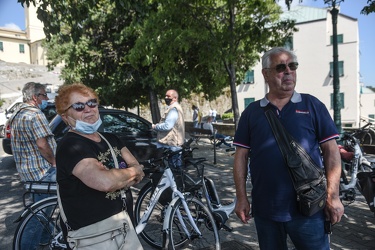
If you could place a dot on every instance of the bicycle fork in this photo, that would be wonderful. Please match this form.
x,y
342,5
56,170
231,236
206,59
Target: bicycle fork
x,y
166,228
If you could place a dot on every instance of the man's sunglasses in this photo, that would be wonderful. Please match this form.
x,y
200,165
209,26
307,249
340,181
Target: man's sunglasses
x,y
80,106
282,67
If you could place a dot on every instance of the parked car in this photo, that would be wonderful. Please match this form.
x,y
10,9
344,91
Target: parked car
x,y
135,132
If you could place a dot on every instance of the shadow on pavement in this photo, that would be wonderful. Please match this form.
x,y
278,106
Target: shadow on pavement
x,y
356,231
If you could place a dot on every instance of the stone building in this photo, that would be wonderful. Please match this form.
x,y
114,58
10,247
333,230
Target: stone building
x,y
24,46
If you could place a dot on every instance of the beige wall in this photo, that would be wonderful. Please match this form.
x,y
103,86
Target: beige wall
x,y
31,38
38,53
11,40
34,27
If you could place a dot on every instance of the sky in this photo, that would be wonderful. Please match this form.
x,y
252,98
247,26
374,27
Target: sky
x,y
12,16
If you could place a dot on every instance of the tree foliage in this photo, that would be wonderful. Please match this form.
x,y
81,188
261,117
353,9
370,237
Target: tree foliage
x,y
208,43
93,38
369,8
129,50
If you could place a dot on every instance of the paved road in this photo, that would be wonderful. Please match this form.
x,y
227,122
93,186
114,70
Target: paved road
x,y
10,202
357,231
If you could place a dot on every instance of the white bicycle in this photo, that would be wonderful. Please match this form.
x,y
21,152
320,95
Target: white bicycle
x,y
187,222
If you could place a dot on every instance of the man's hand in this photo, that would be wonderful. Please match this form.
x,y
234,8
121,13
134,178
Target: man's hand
x,y
334,210
242,210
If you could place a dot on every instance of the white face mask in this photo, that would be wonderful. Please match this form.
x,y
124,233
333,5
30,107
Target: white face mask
x,y
87,128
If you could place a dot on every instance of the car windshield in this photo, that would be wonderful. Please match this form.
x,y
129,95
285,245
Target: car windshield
x,y
121,123
118,123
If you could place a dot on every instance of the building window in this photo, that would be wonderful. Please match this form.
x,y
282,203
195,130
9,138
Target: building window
x,y
289,43
340,39
22,48
1,46
341,105
248,101
341,69
371,118
249,77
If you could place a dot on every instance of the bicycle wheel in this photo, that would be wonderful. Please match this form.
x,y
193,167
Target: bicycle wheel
x,y
209,238
152,233
40,227
366,139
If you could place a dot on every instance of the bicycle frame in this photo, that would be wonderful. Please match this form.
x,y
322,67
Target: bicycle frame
x,y
214,204
167,180
32,207
223,211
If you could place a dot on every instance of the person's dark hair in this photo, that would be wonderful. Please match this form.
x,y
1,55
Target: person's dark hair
x,y
31,89
266,58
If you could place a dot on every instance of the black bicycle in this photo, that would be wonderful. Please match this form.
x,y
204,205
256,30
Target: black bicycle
x,y
40,221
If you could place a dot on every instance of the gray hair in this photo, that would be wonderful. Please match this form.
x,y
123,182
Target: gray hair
x,y
31,89
266,58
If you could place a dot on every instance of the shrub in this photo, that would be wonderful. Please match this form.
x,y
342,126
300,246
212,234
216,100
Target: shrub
x,y
227,116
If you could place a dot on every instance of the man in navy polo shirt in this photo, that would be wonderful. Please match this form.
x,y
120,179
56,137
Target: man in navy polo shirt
x,y
274,206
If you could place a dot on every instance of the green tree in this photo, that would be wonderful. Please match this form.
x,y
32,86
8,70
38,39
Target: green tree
x,y
120,47
132,51
370,8
212,43
93,39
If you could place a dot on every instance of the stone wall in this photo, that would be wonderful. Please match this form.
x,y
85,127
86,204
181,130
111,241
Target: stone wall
x,y
13,77
222,104
222,128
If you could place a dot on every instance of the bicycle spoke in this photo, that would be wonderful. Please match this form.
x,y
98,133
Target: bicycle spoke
x,y
203,219
40,227
152,233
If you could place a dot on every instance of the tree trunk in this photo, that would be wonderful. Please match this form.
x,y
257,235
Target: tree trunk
x,y
154,107
232,68
233,92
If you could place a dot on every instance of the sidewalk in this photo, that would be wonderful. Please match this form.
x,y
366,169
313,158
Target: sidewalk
x,y
355,231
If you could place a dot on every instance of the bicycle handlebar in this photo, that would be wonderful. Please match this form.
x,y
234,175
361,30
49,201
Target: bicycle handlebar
x,y
168,152
368,124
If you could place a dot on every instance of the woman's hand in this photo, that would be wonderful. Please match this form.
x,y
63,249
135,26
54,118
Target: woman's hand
x,y
138,173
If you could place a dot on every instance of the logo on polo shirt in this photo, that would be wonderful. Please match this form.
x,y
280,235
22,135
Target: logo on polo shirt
x,y
306,112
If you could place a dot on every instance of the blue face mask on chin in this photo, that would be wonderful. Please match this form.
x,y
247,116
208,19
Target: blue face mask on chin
x,y
43,105
87,128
